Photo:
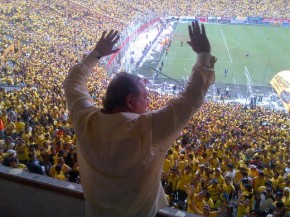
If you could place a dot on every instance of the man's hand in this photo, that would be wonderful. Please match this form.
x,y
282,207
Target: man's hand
x,y
198,39
106,43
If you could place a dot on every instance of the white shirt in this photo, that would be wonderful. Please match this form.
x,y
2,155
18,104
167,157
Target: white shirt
x,y
121,155
231,174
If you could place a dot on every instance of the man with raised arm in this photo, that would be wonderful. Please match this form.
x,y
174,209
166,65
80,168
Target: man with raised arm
x,y
121,147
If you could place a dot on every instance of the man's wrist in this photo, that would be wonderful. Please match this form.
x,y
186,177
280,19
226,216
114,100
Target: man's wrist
x,y
203,59
92,59
96,54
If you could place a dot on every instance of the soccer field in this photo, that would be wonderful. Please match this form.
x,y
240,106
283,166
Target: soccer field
x,y
268,47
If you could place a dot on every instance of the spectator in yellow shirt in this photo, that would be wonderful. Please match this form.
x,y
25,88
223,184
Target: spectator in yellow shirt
x,y
259,181
1,155
247,193
22,151
59,173
215,190
26,135
268,172
19,126
218,175
167,164
181,163
228,188
243,207
207,200
184,180
10,128
195,201
14,163
214,161
65,168
275,181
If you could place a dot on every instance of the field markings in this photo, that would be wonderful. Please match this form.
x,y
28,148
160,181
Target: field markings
x,y
226,46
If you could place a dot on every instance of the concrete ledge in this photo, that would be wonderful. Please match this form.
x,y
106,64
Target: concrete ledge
x,y
26,194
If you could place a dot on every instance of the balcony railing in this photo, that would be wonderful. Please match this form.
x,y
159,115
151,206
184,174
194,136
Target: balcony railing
x,y
24,194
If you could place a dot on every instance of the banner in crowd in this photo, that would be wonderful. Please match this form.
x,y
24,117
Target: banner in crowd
x,y
241,18
201,19
255,18
281,84
225,19
250,20
212,19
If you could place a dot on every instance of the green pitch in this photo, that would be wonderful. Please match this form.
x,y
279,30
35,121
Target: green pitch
x,y
268,47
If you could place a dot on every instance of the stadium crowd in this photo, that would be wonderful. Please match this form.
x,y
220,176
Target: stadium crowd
x,y
236,159
262,8
233,155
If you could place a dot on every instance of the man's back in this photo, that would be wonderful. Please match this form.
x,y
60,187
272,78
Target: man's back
x,y
127,180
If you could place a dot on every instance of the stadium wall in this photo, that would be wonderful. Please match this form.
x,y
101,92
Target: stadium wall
x,y
30,195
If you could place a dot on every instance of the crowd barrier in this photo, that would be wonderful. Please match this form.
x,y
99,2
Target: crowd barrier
x,y
237,20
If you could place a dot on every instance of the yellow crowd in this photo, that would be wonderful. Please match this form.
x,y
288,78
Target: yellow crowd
x,y
222,149
262,8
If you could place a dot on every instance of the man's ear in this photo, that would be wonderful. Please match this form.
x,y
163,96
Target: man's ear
x,y
130,102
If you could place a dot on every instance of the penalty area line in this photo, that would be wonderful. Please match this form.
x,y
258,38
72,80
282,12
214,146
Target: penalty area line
x,y
226,46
